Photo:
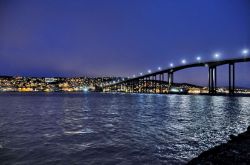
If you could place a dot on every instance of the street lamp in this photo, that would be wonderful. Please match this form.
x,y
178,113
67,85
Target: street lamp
x,y
183,61
171,64
141,74
159,68
245,52
217,55
149,71
198,58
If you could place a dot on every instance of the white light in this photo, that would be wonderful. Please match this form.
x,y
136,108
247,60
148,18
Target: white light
x,y
159,68
113,81
198,58
171,64
141,74
85,89
149,71
133,75
245,51
123,79
217,55
128,77
183,61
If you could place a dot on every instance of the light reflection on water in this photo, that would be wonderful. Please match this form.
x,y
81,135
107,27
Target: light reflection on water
x,y
98,128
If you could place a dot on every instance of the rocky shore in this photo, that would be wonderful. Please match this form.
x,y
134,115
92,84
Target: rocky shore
x,y
235,151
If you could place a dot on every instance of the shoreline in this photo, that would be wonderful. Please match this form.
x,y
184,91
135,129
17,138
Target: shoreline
x,y
190,94
235,151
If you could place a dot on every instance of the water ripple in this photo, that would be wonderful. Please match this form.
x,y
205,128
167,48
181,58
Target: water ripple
x,y
99,128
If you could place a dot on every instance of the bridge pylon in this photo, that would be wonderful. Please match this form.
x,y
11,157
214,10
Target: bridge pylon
x,y
170,78
231,81
212,79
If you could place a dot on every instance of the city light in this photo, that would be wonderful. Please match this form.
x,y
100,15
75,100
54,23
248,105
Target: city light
x,y
91,84
159,68
183,61
85,89
245,52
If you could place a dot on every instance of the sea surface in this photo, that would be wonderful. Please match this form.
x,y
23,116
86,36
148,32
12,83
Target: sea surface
x,y
111,128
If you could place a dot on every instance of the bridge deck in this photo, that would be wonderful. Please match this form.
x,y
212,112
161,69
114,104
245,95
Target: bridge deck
x,y
181,67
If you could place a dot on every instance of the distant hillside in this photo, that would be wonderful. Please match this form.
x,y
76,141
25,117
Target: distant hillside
x,y
7,77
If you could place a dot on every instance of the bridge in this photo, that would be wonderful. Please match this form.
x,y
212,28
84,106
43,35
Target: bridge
x,y
155,81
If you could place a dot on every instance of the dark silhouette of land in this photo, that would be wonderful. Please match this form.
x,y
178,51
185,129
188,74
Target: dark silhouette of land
x,y
235,151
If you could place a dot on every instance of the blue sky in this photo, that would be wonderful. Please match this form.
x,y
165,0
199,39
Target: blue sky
x,y
121,37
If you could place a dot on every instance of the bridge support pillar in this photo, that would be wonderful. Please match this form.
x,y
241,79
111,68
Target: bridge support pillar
x,y
139,85
170,78
144,85
147,84
212,78
155,84
131,87
160,82
231,81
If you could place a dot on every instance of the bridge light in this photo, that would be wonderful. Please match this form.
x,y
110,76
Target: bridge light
x,y
134,76
183,61
141,74
149,71
245,52
217,55
159,68
198,58
171,64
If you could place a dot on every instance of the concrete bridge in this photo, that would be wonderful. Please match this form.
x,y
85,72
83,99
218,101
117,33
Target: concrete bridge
x,y
156,79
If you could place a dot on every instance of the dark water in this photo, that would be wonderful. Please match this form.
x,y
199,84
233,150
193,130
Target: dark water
x,y
115,128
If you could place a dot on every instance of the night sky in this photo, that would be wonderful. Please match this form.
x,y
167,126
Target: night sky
x,y
121,37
